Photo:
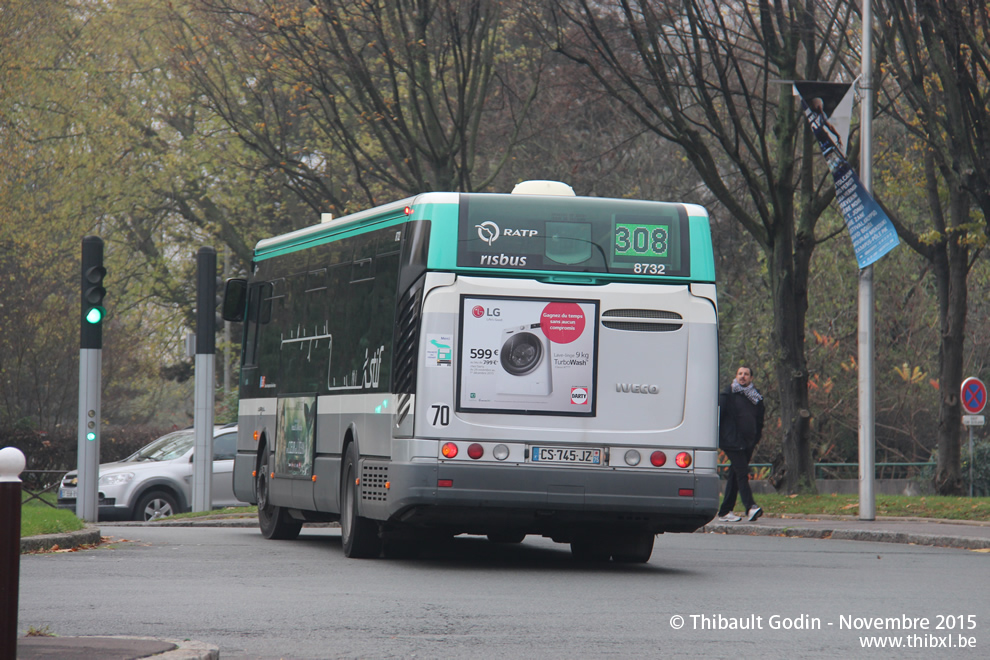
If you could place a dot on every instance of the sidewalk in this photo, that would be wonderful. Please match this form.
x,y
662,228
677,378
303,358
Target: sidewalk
x,y
959,534
963,534
112,648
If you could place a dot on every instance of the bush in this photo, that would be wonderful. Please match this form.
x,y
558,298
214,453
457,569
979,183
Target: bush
x,y
981,467
57,451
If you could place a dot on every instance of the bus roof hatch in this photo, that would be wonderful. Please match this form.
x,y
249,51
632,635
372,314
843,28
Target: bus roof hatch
x,y
543,188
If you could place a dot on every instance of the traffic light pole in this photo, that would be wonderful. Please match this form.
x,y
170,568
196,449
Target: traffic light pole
x,y
90,378
206,291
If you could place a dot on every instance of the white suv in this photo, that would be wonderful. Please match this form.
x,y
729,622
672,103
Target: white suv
x,y
156,481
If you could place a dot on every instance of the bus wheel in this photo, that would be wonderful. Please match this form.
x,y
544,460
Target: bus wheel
x,y
275,522
358,535
635,549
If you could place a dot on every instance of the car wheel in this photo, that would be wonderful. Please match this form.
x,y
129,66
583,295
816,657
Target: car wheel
x,y
154,505
358,535
274,521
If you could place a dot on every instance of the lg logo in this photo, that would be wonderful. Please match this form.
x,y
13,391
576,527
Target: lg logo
x,y
478,311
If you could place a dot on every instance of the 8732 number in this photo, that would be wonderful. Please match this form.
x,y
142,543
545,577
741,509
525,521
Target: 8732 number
x,y
650,269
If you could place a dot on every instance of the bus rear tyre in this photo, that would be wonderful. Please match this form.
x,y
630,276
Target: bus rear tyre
x,y
636,549
274,521
358,535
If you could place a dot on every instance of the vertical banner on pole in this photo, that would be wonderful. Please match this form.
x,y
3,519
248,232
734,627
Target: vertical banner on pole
x,y
828,108
206,291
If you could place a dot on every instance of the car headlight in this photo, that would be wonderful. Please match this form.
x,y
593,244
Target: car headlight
x,y
117,479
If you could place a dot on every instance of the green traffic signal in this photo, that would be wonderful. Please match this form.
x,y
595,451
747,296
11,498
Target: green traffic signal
x,y
95,315
92,311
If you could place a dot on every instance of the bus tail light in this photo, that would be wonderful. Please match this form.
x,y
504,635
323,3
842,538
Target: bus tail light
x,y
445,483
449,450
683,459
658,458
476,451
685,492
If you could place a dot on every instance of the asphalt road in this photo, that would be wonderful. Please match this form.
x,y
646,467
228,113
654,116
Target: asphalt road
x,y
701,595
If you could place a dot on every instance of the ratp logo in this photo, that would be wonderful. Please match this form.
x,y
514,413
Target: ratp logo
x,y
488,231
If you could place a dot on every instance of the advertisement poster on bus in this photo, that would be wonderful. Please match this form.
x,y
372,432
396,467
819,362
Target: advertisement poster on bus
x,y
296,433
528,355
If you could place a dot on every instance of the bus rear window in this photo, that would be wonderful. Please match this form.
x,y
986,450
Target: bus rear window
x,y
578,234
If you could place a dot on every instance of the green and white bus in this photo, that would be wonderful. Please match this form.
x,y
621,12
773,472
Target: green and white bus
x,y
491,364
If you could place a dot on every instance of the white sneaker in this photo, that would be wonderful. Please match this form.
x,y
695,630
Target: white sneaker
x,y
755,513
730,517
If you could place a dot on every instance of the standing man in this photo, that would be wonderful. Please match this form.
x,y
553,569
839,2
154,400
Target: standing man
x,y
740,427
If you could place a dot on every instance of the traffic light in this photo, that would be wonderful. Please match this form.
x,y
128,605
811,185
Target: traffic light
x,y
93,312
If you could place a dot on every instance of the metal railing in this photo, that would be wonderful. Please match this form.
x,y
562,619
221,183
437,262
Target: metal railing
x,y
851,470
35,483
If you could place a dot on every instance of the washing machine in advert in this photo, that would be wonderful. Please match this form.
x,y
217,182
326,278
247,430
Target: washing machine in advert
x,y
525,367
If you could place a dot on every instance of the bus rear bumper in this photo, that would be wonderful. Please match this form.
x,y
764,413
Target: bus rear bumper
x,y
550,501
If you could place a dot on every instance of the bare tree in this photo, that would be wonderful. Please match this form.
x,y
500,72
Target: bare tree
x,y
937,51
708,77
358,100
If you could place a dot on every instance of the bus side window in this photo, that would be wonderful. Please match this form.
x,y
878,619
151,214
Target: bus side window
x,y
362,270
250,352
269,295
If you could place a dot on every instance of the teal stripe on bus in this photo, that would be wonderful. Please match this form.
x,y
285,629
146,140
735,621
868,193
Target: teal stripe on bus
x,y
444,236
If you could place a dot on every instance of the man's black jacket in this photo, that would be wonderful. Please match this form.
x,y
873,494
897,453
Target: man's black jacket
x,y
740,424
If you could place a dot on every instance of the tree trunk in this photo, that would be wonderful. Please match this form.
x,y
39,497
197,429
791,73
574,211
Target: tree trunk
x,y
790,303
951,265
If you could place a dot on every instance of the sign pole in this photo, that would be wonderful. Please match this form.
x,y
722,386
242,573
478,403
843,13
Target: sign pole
x,y
867,383
971,461
973,397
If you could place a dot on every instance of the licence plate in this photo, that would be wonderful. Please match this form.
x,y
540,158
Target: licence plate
x,y
579,455
66,493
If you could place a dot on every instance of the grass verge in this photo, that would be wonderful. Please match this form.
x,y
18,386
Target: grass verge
x,y
38,518
929,506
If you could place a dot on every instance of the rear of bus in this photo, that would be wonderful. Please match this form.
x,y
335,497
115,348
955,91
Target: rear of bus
x,y
565,375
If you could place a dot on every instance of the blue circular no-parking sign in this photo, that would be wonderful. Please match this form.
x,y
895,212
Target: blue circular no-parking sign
x,y
973,395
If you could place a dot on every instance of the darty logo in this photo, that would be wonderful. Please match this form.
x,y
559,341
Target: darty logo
x,y
478,311
489,232
579,396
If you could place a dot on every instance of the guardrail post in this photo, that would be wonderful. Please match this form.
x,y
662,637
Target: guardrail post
x,y
11,465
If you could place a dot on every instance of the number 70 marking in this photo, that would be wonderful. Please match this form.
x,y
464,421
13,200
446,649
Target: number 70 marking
x,y
441,414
